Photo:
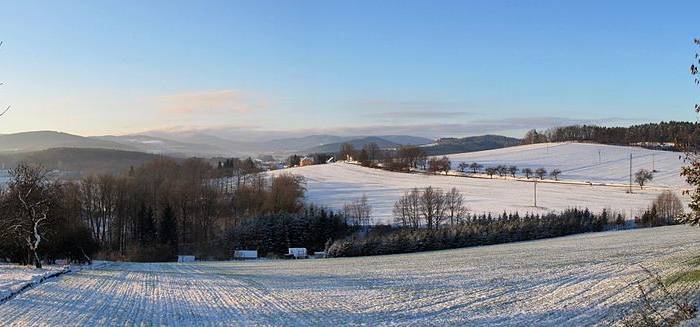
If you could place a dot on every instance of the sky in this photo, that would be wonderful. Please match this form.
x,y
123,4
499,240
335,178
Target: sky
x,y
429,68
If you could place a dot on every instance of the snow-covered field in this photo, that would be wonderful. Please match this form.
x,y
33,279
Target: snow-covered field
x,y
596,163
333,185
578,280
13,278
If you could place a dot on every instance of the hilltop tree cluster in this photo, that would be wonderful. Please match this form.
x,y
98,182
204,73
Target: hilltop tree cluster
x,y
371,155
678,135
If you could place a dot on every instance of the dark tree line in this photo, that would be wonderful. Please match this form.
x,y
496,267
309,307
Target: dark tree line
x,y
39,220
271,235
681,134
149,213
472,230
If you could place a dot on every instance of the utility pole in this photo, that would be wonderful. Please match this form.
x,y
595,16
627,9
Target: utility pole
x,y
535,192
630,173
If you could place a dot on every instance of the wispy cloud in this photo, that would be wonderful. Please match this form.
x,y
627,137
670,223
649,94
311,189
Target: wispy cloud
x,y
221,101
410,105
512,126
397,110
418,114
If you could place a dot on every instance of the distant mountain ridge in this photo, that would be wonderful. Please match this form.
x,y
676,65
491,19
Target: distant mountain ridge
x,y
42,140
186,144
79,160
160,145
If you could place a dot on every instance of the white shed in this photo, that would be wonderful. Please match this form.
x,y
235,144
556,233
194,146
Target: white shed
x,y
245,254
298,253
185,258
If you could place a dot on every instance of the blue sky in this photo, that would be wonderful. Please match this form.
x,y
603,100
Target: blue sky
x,y
433,68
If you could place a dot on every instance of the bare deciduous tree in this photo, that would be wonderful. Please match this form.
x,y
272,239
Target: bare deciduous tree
x,y
491,171
439,165
668,206
432,204
555,174
512,170
29,206
541,172
455,208
475,167
643,176
463,166
407,209
359,212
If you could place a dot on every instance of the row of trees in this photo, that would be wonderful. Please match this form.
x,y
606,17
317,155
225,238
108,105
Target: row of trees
x,y
505,170
683,134
472,230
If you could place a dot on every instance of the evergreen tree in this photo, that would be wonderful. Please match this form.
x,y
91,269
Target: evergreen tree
x,y
167,233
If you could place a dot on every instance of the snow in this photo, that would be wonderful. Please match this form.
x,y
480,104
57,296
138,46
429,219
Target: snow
x,y
5,177
333,185
587,279
584,161
13,277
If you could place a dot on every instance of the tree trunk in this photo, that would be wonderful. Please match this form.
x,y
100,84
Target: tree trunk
x,y
37,262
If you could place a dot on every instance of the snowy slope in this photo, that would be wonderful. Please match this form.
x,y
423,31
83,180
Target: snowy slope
x,y
584,161
335,184
582,280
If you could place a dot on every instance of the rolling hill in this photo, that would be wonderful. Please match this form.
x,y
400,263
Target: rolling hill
x,y
150,144
333,185
585,162
42,140
79,160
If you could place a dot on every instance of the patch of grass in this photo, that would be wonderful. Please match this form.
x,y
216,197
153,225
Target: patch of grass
x,y
694,262
691,276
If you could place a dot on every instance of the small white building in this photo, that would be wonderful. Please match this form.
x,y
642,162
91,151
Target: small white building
x,y
298,253
245,254
186,258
